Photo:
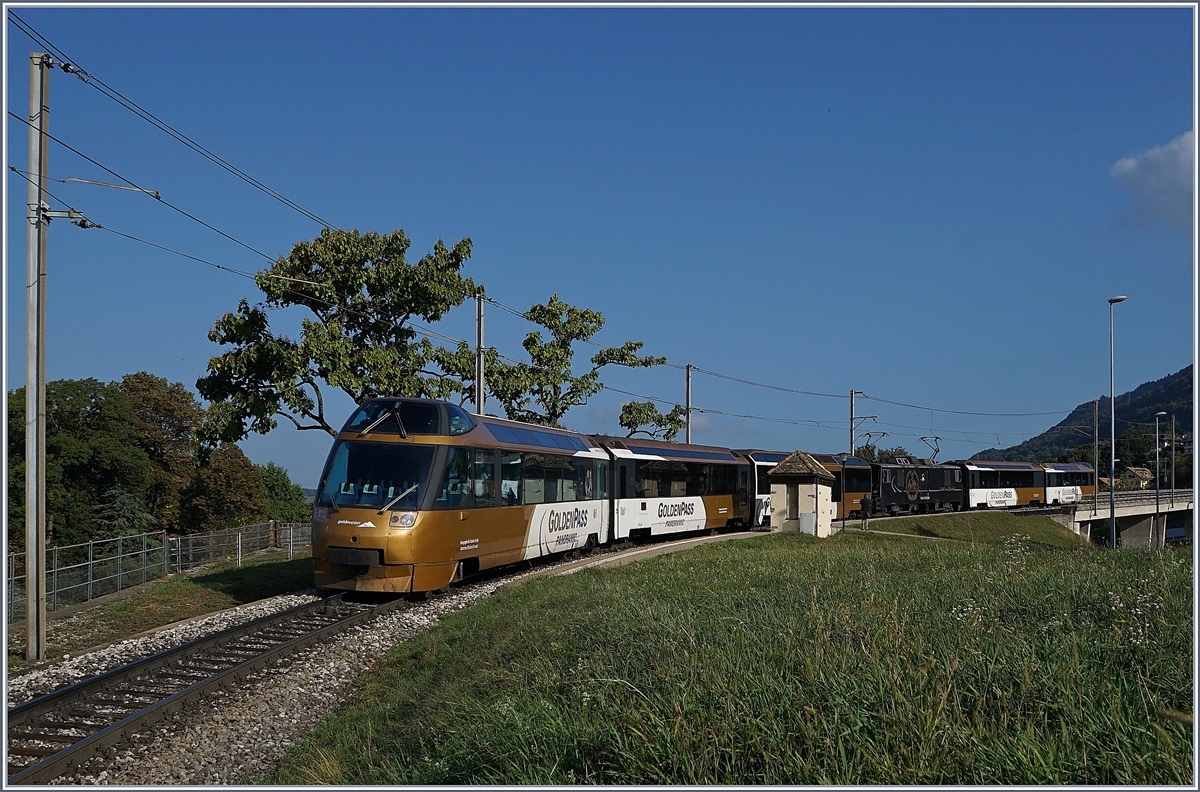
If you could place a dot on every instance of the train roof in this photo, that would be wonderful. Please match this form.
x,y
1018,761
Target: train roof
x,y
1067,467
763,457
639,448
831,461
981,464
546,438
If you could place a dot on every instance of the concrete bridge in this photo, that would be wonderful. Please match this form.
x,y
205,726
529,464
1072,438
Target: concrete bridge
x,y
1135,516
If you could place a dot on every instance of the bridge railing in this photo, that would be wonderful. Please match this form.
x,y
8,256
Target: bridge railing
x,y
1165,497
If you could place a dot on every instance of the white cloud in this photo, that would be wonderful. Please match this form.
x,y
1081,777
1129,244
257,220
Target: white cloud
x,y
1161,180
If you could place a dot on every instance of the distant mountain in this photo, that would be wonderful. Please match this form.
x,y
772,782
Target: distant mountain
x,y
1135,410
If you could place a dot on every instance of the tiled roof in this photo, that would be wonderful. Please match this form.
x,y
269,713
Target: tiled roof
x,y
799,463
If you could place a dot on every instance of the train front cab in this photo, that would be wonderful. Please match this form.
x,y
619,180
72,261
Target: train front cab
x,y
1069,482
851,482
664,488
416,492
1002,485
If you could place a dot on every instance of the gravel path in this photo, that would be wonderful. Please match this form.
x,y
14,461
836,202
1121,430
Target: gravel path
x,y
243,732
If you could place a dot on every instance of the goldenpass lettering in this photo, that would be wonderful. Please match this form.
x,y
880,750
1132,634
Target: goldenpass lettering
x,y
566,520
676,509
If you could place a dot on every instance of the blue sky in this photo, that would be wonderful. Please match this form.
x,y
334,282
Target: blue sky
x,y
928,205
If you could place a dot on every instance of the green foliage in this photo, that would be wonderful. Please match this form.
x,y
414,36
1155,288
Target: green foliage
x,y
121,513
635,415
542,391
284,499
858,660
362,296
91,448
869,453
166,419
224,493
15,506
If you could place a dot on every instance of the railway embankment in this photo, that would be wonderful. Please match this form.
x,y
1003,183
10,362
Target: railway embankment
x,y
782,659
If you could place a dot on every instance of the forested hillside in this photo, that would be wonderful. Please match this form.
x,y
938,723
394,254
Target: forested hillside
x,y
1135,424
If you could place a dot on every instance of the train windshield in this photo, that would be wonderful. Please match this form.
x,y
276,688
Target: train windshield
x,y
375,475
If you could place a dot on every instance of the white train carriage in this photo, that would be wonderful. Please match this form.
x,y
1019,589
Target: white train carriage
x,y
665,488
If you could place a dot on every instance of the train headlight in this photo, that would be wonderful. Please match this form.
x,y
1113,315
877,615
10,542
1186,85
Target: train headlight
x,y
407,519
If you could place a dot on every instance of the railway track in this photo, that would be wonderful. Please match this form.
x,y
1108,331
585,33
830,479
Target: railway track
x,y
49,734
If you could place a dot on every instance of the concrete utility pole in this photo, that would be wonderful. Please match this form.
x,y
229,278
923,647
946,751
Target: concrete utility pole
x,y
1095,455
852,392
687,432
35,358
479,354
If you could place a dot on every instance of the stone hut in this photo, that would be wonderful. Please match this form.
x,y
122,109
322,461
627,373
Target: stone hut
x,y
802,492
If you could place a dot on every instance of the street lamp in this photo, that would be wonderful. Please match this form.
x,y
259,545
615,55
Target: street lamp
x,y
1154,538
1112,432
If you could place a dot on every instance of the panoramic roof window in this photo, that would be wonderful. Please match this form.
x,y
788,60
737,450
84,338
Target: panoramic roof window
x,y
395,416
461,421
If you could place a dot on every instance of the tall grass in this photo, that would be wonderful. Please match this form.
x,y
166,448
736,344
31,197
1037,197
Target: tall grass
x,y
789,660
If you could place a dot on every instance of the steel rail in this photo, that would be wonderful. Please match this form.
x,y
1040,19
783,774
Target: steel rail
x,y
124,689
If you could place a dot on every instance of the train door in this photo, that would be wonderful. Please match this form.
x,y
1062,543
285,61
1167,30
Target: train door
x,y
622,491
745,515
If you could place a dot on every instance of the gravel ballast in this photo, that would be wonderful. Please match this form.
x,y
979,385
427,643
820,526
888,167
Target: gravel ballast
x,y
242,732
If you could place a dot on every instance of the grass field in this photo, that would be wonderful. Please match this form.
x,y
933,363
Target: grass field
x,y
219,586
982,527
783,659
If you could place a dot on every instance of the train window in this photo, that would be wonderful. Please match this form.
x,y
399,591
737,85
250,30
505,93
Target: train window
x,y
601,478
645,480
460,420
554,477
485,477
379,417
585,488
376,475
571,487
764,481
885,476
455,491
1015,478
510,477
957,476
534,476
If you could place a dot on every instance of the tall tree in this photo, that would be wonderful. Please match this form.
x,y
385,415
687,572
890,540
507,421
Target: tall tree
x,y
362,296
543,390
284,499
645,418
167,418
225,492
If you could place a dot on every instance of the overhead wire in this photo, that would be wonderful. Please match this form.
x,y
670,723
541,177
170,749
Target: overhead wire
x,y
158,123
151,193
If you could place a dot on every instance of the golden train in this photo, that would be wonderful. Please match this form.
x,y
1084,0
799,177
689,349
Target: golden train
x,y
417,493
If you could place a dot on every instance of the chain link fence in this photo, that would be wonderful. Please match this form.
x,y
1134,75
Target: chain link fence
x,y
82,572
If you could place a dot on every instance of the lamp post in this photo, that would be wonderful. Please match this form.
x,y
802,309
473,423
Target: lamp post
x,y
1112,432
1155,534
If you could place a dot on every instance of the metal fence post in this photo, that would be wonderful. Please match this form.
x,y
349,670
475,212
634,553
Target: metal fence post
x,y
291,534
119,553
239,548
145,560
12,582
91,573
54,566
166,556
